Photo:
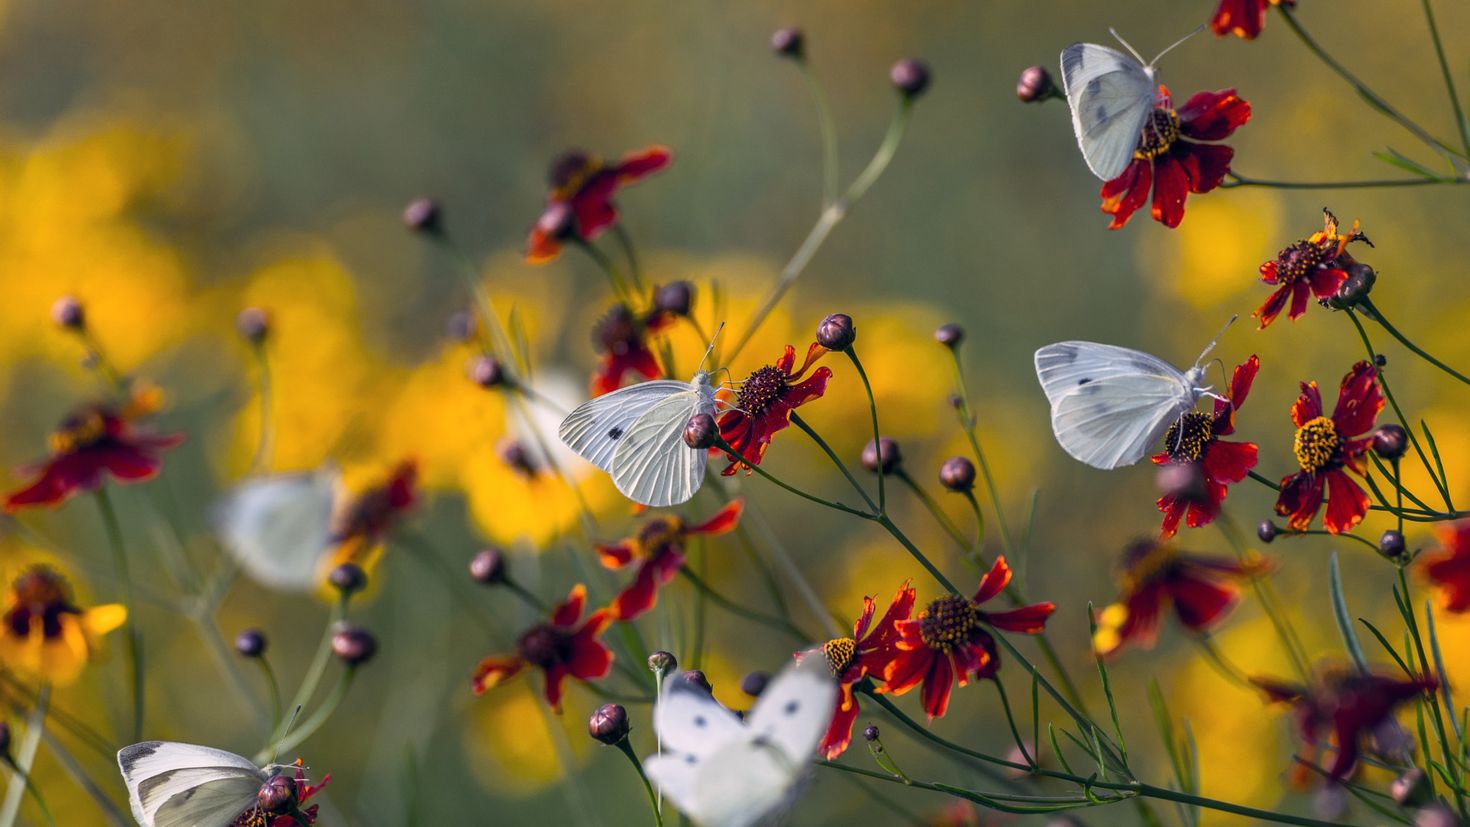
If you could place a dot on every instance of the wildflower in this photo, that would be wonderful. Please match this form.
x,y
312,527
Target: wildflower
x,y
1156,576
1195,440
1347,704
622,340
659,549
359,527
854,658
1171,159
1449,568
561,648
45,634
1326,448
583,186
949,641
1314,266
96,439
279,802
765,402
1243,18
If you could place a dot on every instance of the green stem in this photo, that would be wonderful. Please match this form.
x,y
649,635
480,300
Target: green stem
x,y
314,671
837,461
779,624
828,131
627,749
1005,703
620,287
1222,664
1265,595
273,687
125,583
265,442
1233,181
625,241
873,411
35,792
933,507
314,723
25,761
526,596
79,775
1319,533
1266,481
729,449
967,424
1376,315
1449,78
1411,621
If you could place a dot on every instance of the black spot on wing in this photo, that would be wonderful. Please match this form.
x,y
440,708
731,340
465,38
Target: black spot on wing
x,y
1084,380
791,707
615,433
700,722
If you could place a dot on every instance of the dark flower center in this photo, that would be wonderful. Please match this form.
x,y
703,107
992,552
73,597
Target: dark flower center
x,y
569,171
1143,560
40,597
79,431
840,653
659,534
1317,445
1159,133
948,623
1189,436
617,332
546,646
1299,261
761,389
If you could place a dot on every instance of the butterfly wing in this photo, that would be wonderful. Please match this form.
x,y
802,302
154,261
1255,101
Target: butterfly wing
x,y
793,711
277,527
1110,404
692,728
596,427
653,465
1111,96
185,785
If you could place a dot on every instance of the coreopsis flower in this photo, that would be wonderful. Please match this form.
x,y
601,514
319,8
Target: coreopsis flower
x,y
362,522
854,658
765,401
1314,266
45,634
94,442
564,646
621,340
1346,705
1449,568
282,793
1155,577
1243,18
1173,158
949,641
658,549
1327,448
584,185
1195,439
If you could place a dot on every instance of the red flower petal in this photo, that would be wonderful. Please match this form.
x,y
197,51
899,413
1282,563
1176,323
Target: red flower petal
x,y
1201,602
994,582
1308,406
1326,280
1273,306
642,163
1171,187
1122,196
640,595
1242,18
722,522
1347,502
492,672
617,555
1359,401
567,612
1229,461
1212,116
1208,164
839,732
1300,498
938,684
1029,620
1173,509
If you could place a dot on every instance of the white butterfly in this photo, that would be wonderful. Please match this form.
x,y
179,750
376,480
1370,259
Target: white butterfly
x,y
722,771
1109,404
636,434
1112,97
184,785
278,527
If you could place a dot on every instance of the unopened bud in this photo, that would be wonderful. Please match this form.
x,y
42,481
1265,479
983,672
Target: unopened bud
x,y
250,643
1266,531
788,42
461,326
881,455
487,372
422,216
1380,360
1035,85
353,644
1390,441
514,454
1355,287
696,679
662,662
701,432
253,324
836,332
277,795
910,77
488,567
754,683
348,578
67,312
870,732
1391,544
609,724
957,474
674,297
949,335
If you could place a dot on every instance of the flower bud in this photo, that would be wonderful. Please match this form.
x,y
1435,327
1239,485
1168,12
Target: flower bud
x,y
957,474
558,221
1391,544
870,732
1380,360
955,401
348,578
250,643
1390,441
514,454
788,42
881,455
1184,481
1035,85
1436,815
277,795
836,332
487,372
1410,789
609,724
674,297
1355,287
1266,531
950,335
488,567
910,77
701,432
754,683
67,312
696,679
461,326
353,644
253,324
662,662
422,216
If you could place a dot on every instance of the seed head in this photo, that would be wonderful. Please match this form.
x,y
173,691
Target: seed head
x,y
881,455
609,724
836,332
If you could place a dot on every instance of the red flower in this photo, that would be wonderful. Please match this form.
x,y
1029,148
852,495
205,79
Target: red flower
x,y
765,402
96,440
586,185
854,658
253,817
1345,704
1243,18
1450,569
948,641
659,548
1325,449
1201,590
1171,160
1315,266
1195,438
622,340
560,648
359,527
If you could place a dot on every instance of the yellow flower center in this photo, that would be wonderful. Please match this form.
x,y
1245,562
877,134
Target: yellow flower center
x,y
840,653
660,532
948,623
1189,436
1316,444
1159,133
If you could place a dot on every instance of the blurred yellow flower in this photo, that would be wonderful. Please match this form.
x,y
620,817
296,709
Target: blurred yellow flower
x,y
512,748
1214,257
46,636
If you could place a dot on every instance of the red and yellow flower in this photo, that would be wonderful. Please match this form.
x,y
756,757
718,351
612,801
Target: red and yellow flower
x,y
361,524
1449,568
46,635
1156,577
94,442
1243,18
1173,158
658,548
1314,266
949,641
622,342
299,811
765,401
1195,438
565,646
1327,448
585,185
851,659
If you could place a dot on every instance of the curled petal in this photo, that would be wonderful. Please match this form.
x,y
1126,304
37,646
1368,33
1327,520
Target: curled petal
x,y
1213,116
994,582
1359,400
1299,500
1171,187
494,671
567,612
1273,306
1308,406
1347,502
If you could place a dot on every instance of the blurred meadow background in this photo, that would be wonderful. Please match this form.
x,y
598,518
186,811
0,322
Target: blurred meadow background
x,y
171,163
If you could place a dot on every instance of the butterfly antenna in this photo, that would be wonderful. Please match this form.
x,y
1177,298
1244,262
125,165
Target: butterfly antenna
x,y
276,747
1176,43
1127,45
711,348
1215,341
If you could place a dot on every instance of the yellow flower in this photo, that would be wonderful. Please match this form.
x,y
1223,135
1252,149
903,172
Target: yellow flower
x,y
45,634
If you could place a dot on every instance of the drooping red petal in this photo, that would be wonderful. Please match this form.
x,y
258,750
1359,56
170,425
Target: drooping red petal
x,y
860,626
1241,380
723,520
589,659
804,392
994,582
592,205
1449,569
1202,512
1171,187
1141,624
555,677
899,609
1173,510
640,595
1347,502
492,672
642,163
1301,295
1308,406
787,360
1200,602
1273,306
1122,196
1359,401
839,732
1205,164
1228,461
938,684
1029,620
1213,116
617,555
567,612
1299,500
541,246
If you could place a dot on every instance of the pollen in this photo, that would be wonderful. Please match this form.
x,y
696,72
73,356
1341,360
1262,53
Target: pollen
x,y
1159,133
948,623
1189,436
761,390
1317,445
1299,261
840,653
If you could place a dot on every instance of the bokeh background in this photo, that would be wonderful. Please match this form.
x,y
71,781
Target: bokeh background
x,y
171,163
